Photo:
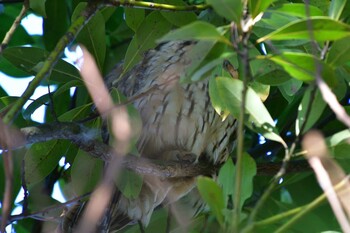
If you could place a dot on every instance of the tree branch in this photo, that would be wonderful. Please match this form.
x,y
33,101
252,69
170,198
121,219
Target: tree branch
x,y
156,6
83,137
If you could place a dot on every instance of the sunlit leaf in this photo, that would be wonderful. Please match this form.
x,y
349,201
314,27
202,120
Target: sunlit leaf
x,y
322,28
296,9
308,117
226,94
336,8
258,6
229,9
302,66
41,159
212,195
196,31
339,53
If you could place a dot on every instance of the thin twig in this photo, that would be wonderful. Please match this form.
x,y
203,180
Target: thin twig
x,y
35,214
14,26
47,67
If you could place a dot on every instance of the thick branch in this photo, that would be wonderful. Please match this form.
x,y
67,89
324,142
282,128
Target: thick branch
x,y
83,137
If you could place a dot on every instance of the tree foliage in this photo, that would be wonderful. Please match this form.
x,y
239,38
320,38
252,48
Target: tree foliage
x,y
294,68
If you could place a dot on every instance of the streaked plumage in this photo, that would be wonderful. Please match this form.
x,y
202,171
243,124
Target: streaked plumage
x,y
179,124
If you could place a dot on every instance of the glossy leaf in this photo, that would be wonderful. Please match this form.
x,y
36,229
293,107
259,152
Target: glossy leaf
x,y
31,108
229,9
41,159
226,94
67,86
258,6
92,35
248,173
134,17
197,55
86,172
336,8
226,179
323,29
338,138
307,118
38,6
77,113
339,53
212,194
196,31
296,9
130,184
177,18
53,31
302,66
30,60
152,28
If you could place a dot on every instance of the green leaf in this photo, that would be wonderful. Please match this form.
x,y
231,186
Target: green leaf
x,y
323,29
336,8
27,113
226,95
197,55
41,159
30,60
212,194
56,23
86,172
258,6
338,138
229,9
77,113
92,36
317,105
226,178
273,78
152,28
248,173
268,72
290,88
67,86
129,183
134,17
302,66
196,31
339,53
177,18
38,6
296,9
